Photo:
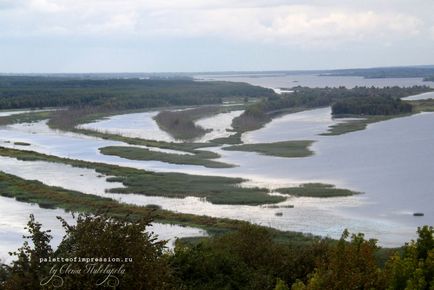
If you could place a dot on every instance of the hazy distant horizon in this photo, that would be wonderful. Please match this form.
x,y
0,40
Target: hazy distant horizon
x,y
286,71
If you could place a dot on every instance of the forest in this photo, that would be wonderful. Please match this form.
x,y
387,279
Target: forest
x,y
256,115
249,258
37,92
371,106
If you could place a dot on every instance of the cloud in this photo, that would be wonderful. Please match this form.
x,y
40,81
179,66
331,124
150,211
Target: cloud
x,y
308,23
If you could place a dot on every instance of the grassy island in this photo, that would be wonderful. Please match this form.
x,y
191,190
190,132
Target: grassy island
x,y
287,149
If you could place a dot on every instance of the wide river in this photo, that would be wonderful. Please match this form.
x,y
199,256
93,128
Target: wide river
x,y
391,162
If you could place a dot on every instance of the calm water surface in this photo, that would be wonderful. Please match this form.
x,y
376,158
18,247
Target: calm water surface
x,y
392,163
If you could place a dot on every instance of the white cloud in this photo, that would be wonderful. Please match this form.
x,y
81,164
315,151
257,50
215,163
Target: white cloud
x,y
324,22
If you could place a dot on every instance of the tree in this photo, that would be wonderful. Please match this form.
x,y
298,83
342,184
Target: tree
x,y
414,268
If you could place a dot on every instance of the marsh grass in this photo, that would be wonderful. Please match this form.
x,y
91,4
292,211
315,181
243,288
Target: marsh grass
x,y
135,153
316,190
218,190
280,149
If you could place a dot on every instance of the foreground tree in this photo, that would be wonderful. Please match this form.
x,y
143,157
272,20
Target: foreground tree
x,y
131,257
414,267
347,265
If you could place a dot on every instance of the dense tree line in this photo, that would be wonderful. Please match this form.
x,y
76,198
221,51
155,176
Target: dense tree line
x,y
36,92
371,106
304,97
250,258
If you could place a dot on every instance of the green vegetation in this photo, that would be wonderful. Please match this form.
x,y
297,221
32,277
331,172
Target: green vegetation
x,y
363,121
423,105
316,190
136,153
25,117
180,124
218,190
32,191
304,98
117,94
356,125
280,149
249,258
371,105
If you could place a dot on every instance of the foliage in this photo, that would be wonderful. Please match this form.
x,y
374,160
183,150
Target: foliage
x,y
374,105
248,258
414,268
180,124
260,113
98,236
38,92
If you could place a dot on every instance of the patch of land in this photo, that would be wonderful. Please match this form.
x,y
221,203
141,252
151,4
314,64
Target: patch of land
x,y
303,98
181,124
111,94
360,123
363,121
45,196
232,139
288,149
423,105
21,143
25,117
136,153
316,190
217,190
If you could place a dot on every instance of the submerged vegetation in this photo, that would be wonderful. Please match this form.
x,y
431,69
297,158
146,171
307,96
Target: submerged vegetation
x,y
218,190
202,158
316,190
280,149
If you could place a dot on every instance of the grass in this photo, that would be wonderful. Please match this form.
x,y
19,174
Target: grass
x,y
215,189
136,153
31,191
25,117
316,190
287,149
358,125
423,105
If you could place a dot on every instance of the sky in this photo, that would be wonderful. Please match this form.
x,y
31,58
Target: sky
x,y
73,36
